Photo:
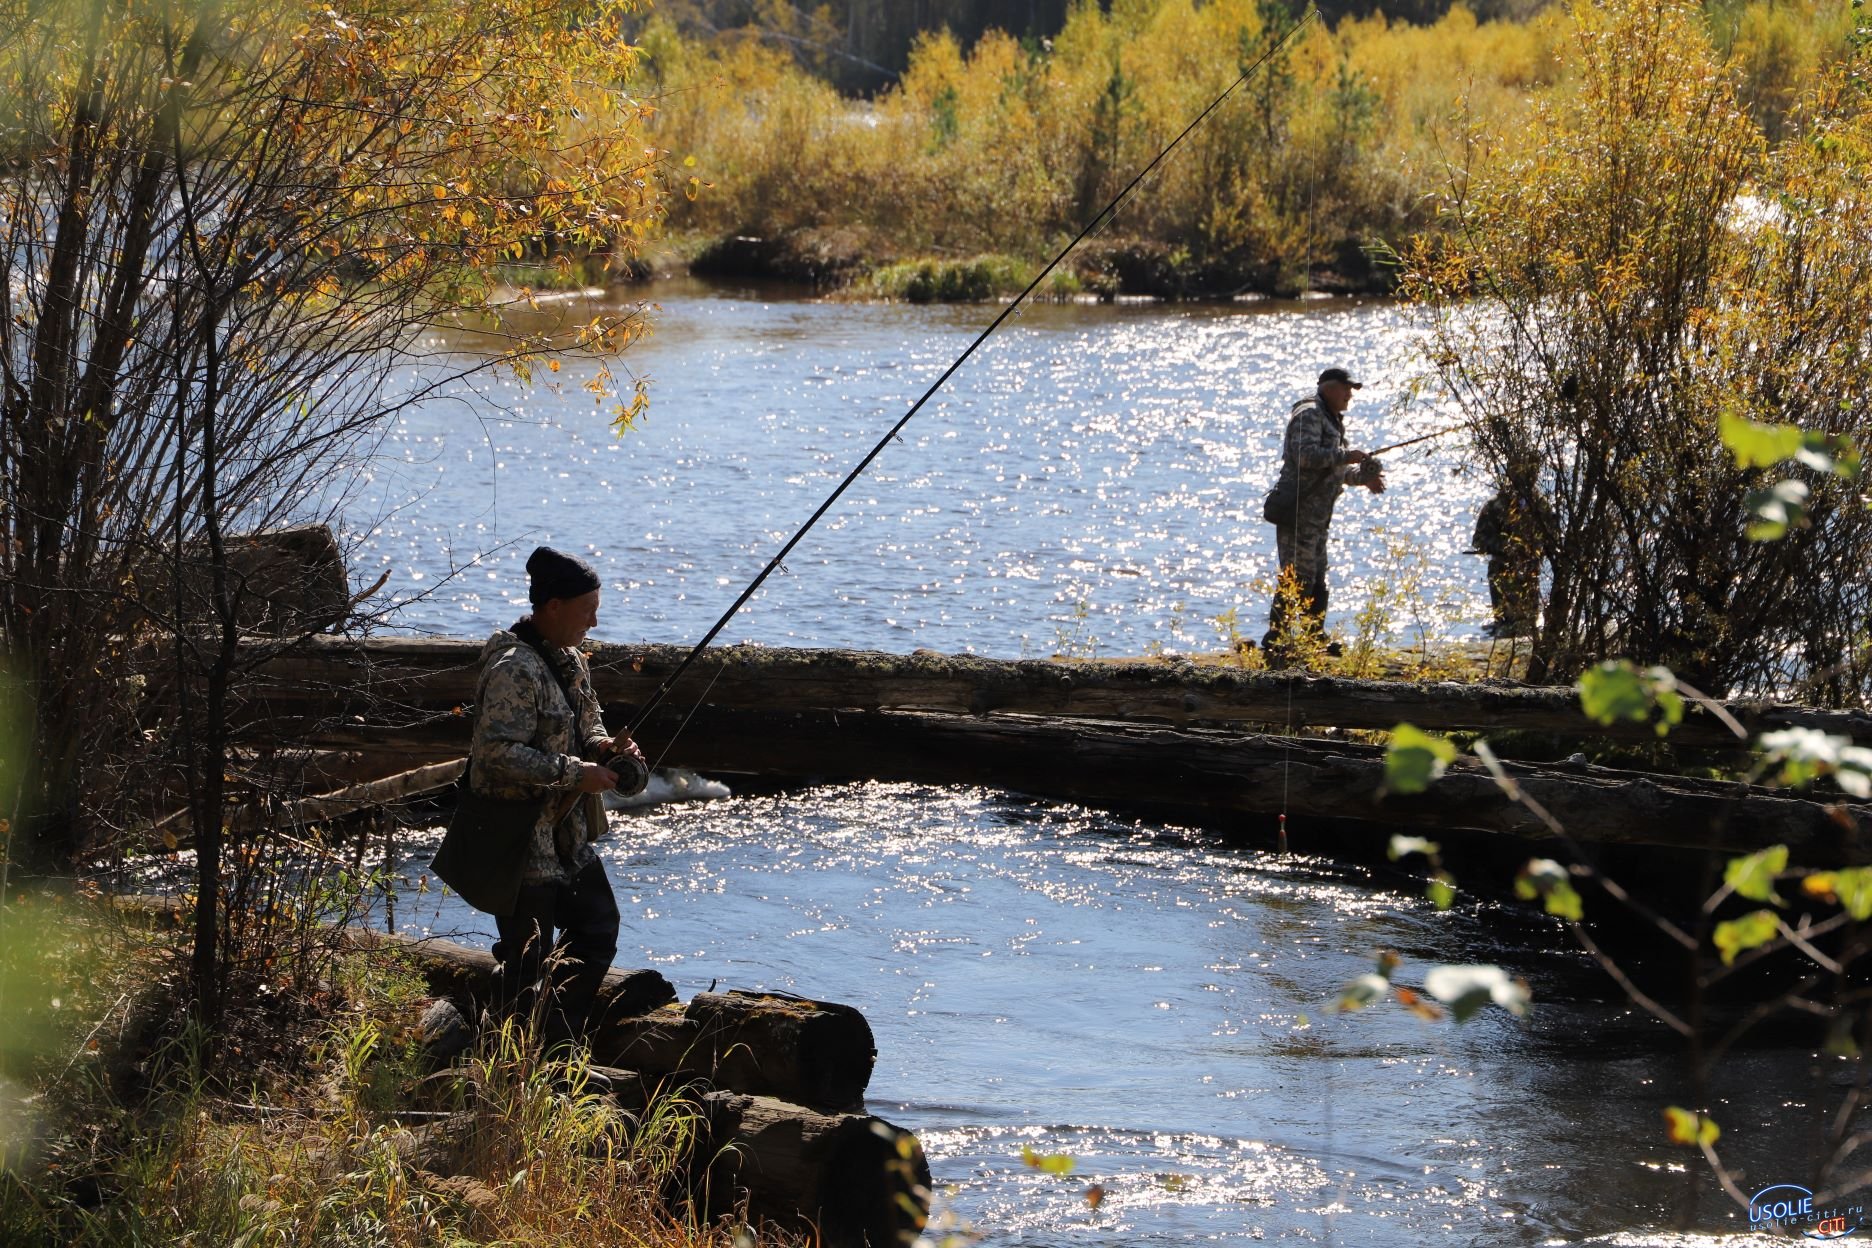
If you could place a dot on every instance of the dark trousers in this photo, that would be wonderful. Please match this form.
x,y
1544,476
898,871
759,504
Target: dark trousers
x,y
577,923
1514,590
1302,548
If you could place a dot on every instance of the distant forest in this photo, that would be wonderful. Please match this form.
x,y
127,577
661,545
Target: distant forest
x,y
863,46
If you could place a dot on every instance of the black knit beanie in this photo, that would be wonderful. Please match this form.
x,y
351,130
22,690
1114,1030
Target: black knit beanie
x,y
553,575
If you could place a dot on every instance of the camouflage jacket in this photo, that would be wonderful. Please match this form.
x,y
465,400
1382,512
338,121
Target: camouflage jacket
x,y
528,742
1512,526
1311,454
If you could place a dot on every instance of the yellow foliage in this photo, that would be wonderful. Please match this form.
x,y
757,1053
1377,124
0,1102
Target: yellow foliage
x,y
1006,145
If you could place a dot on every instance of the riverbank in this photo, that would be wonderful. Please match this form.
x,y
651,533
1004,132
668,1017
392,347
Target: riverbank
x,y
738,1120
855,263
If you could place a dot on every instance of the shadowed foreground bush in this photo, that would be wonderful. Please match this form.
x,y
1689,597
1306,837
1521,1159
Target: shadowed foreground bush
x,y
319,1124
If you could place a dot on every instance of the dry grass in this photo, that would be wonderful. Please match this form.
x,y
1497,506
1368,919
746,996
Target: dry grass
x,y
312,1122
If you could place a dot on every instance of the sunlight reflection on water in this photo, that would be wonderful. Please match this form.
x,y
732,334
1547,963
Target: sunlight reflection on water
x,y
1153,1002
1090,481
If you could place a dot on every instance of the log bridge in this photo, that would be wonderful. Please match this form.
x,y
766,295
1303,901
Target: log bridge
x,y
1209,745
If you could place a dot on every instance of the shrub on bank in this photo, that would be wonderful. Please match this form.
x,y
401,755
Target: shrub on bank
x,y
966,281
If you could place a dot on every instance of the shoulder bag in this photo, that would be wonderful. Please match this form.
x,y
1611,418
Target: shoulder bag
x,y
484,850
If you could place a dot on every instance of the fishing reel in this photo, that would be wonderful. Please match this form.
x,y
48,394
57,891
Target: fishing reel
x,y
632,772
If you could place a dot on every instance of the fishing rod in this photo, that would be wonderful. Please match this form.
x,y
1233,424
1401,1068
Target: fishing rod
x,y
1100,218
1422,437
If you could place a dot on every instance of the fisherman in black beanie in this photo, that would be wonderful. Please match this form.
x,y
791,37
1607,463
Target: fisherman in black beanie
x,y
553,575
539,737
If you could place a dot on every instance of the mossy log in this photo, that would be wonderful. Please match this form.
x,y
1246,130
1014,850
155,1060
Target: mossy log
x,y
413,682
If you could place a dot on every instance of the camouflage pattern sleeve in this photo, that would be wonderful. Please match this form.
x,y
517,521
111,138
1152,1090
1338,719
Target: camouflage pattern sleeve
x,y
1309,446
506,725
591,726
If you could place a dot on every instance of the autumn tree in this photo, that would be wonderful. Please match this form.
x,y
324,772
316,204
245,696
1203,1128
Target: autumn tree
x,y
1610,288
228,229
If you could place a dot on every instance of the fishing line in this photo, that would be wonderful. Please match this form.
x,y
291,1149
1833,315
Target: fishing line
x,y
662,691
680,728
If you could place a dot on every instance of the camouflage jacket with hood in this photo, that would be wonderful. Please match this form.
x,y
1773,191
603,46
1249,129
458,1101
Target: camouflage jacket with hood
x,y
527,744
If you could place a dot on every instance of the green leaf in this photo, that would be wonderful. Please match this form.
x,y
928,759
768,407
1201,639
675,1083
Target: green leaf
x,y
1466,989
1441,890
1763,446
1049,1163
1612,692
1361,992
1780,507
1402,846
1854,888
1553,883
1620,691
1805,754
1689,1129
1415,759
1564,902
1747,932
1753,876
1758,446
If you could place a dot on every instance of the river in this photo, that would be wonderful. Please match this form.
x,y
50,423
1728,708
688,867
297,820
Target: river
x,y
1149,1000
1089,483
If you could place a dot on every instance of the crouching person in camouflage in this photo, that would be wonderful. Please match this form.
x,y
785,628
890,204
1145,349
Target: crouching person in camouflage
x,y
536,727
1316,466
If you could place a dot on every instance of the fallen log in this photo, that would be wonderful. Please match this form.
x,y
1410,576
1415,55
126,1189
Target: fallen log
x,y
777,1044
1217,779
410,682
1226,779
769,1044
845,1180
353,799
812,1160
350,800
818,1054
